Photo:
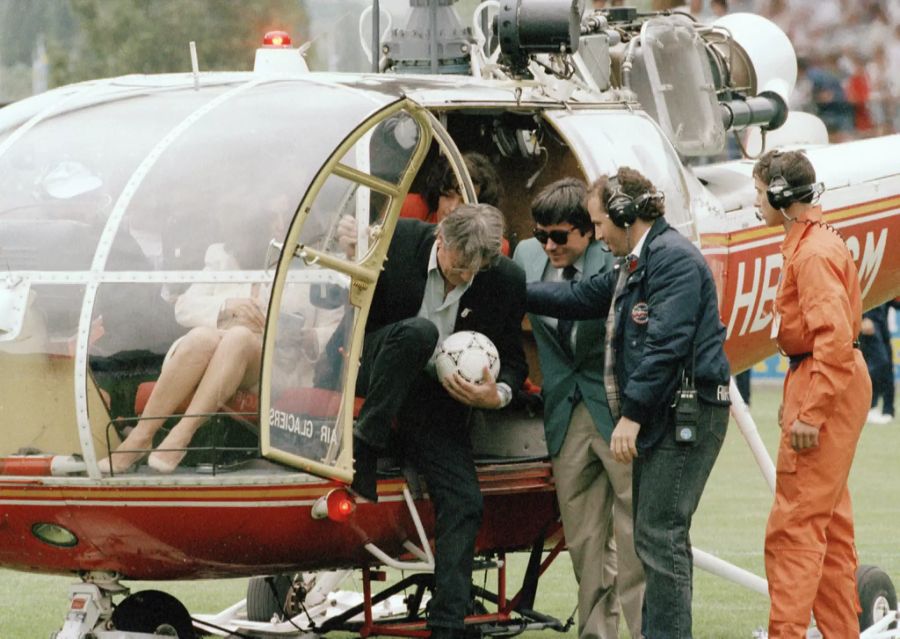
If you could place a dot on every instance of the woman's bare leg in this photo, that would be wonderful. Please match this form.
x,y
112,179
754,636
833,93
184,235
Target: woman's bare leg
x,y
180,375
234,365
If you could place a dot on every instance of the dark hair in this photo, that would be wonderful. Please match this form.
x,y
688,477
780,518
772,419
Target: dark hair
x,y
793,166
441,180
485,178
633,184
563,201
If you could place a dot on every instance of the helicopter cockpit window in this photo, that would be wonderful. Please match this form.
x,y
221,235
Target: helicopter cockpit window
x,y
66,158
134,213
317,311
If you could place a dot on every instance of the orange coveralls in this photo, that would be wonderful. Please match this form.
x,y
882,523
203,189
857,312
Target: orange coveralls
x,y
810,553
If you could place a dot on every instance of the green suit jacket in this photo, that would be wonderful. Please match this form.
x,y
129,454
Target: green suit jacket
x,y
563,374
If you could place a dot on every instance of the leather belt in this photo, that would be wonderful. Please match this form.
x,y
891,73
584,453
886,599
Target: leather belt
x,y
795,360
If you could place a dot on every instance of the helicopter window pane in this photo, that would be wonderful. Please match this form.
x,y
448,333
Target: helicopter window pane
x,y
345,218
309,364
604,141
154,357
50,323
60,180
37,375
235,177
386,150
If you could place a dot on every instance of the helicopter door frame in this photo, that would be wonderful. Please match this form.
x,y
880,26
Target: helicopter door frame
x,y
363,273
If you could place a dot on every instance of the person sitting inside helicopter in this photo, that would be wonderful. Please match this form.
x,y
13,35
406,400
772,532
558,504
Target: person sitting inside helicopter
x,y
220,355
440,192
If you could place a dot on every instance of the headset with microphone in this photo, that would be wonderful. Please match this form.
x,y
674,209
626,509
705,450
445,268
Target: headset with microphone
x,y
781,194
623,209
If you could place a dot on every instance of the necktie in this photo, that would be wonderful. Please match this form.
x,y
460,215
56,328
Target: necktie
x,y
609,360
564,327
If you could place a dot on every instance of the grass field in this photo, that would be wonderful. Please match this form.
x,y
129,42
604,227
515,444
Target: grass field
x,y
729,524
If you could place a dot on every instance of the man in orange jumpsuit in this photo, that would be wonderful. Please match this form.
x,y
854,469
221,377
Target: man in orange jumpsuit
x,y
810,553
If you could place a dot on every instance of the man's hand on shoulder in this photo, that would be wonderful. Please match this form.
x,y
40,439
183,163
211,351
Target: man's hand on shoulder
x,y
483,395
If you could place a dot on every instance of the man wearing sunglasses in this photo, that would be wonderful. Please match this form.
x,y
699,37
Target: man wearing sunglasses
x,y
594,490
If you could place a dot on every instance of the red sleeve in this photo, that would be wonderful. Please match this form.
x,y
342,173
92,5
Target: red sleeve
x,y
414,206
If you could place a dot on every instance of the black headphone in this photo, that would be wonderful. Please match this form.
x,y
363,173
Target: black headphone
x,y
623,209
781,194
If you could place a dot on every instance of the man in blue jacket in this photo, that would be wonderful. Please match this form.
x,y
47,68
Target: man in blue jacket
x,y
593,490
664,346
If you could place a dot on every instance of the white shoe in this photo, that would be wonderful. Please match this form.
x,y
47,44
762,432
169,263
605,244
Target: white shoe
x,y
876,417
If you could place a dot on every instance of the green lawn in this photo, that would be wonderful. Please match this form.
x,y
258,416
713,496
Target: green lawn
x,y
729,524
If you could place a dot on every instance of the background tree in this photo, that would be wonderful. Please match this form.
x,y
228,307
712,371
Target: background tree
x,y
152,36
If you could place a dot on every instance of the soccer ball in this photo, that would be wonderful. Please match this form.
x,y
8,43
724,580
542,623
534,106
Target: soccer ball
x,y
467,353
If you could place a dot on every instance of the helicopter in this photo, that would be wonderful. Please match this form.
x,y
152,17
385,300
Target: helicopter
x,y
113,191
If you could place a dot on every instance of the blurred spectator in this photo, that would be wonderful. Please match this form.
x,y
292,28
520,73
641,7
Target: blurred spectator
x,y
893,58
874,341
882,84
847,47
858,92
830,100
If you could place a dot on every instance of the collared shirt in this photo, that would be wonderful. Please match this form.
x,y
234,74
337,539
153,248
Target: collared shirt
x,y
553,274
636,251
441,310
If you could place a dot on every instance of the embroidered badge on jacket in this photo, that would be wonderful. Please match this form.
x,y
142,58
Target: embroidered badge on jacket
x,y
640,314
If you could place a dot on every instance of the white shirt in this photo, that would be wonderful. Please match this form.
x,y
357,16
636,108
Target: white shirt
x,y
441,310
636,251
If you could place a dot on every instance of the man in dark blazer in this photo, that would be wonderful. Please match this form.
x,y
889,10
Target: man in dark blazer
x,y
593,489
439,280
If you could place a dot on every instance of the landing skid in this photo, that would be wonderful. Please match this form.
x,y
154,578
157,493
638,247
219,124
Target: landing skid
x,y
391,613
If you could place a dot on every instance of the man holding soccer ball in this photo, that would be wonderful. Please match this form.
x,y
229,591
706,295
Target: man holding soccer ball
x,y
439,280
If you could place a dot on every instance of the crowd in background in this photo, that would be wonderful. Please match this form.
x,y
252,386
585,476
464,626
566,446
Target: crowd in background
x,y
845,52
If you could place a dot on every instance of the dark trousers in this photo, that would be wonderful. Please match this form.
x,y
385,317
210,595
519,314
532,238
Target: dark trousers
x,y
434,431
887,390
878,358
393,358
668,481
742,380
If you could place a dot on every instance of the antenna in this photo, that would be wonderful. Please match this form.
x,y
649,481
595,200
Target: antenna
x,y
194,65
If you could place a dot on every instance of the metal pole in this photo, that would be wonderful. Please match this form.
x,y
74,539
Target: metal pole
x,y
432,26
741,414
376,36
